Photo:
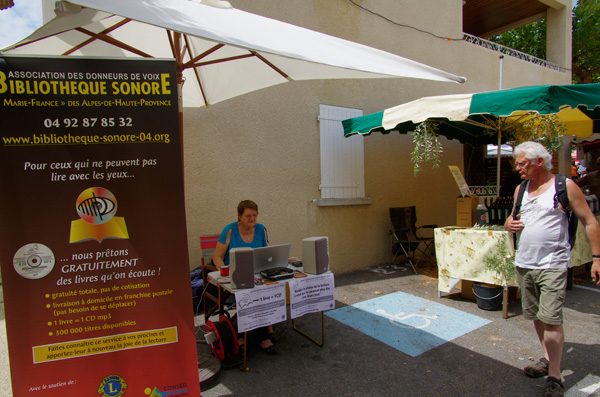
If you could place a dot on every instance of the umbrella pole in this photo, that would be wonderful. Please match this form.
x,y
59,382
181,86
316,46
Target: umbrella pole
x,y
177,54
499,159
180,107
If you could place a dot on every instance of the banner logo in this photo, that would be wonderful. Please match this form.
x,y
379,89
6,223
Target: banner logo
x,y
97,207
112,386
178,390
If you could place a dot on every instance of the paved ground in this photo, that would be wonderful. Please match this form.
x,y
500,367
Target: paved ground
x,y
486,361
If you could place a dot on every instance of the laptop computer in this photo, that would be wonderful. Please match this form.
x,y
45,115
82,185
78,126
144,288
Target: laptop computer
x,y
270,257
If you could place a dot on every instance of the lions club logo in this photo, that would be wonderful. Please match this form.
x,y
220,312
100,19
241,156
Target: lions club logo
x,y
112,386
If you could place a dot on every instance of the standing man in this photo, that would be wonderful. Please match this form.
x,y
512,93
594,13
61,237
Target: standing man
x,y
543,255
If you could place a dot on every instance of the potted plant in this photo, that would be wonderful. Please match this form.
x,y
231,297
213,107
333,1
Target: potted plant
x,y
501,262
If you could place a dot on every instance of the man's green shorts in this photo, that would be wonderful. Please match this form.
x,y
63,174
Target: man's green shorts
x,y
542,294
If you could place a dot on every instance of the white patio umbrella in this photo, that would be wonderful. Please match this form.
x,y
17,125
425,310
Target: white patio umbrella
x,y
220,52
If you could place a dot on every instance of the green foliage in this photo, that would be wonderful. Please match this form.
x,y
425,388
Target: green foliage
x,y
530,39
545,129
586,42
501,262
427,146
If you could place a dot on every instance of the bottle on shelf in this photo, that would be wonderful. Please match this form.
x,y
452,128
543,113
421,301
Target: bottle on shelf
x,y
481,215
499,211
489,204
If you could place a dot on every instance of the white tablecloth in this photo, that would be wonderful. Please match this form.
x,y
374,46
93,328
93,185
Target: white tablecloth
x,y
460,253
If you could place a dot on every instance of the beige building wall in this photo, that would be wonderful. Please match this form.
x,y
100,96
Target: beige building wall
x,y
264,145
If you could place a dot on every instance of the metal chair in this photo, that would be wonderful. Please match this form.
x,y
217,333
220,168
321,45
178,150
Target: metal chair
x,y
208,243
406,239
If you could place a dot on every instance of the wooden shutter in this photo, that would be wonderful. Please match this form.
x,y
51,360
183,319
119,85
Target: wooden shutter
x,y
342,159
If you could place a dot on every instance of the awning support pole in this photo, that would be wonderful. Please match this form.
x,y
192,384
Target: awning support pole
x,y
498,158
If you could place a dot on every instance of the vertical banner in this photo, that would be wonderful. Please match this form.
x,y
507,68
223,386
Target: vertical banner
x,y
93,246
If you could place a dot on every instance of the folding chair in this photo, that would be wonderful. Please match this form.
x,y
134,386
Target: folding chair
x,y
406,239
208,243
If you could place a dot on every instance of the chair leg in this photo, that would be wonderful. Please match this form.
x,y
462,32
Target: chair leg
x,y
427,249
396,252
395,255
408,257
415,253
211,303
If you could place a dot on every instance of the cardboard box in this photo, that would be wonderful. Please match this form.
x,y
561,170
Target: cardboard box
x,y
466,290
465,210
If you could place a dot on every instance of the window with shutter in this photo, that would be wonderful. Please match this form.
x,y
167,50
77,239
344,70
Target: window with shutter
x,y
342,159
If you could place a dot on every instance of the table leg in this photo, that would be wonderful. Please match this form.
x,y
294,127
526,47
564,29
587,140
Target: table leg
x,y
221,304
310,338
244,367
505,303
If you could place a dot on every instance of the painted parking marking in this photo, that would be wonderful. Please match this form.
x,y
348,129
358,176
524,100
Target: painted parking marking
x,y
406,322
396,319
585,387
381,270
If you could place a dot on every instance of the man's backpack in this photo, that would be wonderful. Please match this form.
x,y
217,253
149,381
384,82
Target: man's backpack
x,y
560,185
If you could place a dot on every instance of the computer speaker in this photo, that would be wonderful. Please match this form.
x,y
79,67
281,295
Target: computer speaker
x,y
315,255
241,267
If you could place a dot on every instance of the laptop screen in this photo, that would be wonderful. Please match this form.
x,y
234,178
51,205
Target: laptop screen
x,y
271,256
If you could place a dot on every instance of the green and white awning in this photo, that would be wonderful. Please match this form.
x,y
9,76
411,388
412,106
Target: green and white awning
x,y
478,118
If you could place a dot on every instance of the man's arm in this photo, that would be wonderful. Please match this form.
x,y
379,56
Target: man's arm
x,y
582,210
514,225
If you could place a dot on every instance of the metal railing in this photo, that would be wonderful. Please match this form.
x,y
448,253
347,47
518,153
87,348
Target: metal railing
x,y
511,52
484,191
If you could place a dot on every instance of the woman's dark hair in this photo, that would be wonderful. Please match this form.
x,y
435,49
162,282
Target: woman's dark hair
x,y
246,204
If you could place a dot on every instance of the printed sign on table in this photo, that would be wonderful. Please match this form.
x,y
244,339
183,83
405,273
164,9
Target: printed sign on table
x,y
93,244
259,307
312,294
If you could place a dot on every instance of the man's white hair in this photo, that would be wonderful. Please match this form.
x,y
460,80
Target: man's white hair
x,y
533,151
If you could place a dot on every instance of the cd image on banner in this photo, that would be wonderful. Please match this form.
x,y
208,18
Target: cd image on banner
x,y
33,261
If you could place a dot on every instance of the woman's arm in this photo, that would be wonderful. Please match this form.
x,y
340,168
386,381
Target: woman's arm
x,y
220,251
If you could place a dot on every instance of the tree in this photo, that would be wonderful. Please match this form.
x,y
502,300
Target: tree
x,y
531,39
586,42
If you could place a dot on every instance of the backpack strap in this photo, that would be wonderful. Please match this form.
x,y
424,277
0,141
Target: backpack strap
x,y
522,188
560,185
561,196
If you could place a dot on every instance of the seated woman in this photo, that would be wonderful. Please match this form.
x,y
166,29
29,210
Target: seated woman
x,y
246,232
